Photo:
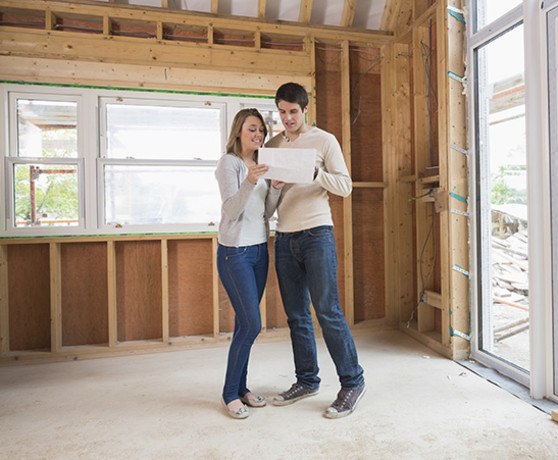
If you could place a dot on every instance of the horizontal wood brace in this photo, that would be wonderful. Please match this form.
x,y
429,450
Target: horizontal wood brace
x,y
142,13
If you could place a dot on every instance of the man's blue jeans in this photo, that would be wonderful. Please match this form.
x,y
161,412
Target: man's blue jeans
x,y
243,272
306,263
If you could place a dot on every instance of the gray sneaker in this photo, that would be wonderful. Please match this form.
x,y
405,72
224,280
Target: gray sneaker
x,y
293,394
346,402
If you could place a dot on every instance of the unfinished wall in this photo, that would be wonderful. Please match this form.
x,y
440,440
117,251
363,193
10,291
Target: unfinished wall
x,y
109,295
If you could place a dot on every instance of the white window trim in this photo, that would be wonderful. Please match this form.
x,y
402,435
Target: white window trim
x,y
91,158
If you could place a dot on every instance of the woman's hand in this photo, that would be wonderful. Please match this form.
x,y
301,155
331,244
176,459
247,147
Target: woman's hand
x,y
255,172
277,184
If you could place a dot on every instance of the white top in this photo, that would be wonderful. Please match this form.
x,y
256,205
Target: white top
x,y
304,206
245,207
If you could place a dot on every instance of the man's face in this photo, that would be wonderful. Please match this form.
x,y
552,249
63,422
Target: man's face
x,y
292,116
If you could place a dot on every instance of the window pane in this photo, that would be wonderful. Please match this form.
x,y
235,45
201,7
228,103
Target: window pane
x,y
158,132
490,10
46,195
271,118
503,197
148,195
47,129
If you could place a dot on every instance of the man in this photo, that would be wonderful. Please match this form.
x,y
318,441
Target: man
x,y
306,259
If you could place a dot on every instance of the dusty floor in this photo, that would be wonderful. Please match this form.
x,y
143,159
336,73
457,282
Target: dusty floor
x,y
166,406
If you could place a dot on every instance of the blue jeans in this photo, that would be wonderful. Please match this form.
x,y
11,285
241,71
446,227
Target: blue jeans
x,y
306,263
243,272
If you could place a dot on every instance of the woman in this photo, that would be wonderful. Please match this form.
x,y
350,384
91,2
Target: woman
x,y
242,258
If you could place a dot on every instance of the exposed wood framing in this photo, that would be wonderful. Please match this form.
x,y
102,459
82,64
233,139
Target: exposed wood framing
x,y
165,289
137,13
215,296
348,201
261,9
214,6
136,76
305,11
4,302
55,298
348,15
454,178
390,194
312,114
111,292
387,16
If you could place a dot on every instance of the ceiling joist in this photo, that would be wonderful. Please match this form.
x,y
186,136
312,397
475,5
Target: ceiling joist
x,y
305,11
348,16
261,9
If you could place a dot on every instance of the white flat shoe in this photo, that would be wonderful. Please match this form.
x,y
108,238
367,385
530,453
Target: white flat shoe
x,y
240,413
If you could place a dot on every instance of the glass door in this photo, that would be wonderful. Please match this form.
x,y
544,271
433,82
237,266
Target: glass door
x,y
501,202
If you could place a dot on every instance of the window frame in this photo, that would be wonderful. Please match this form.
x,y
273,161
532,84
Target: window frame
x,y
92,154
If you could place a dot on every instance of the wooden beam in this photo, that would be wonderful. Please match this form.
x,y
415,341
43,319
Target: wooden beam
x,y
15,68
111,292
165,289
4,302
214,244
214,6
305,12
261,9
387,16
453,176
55,297
137,13
164,3
95,47
348,16
348,201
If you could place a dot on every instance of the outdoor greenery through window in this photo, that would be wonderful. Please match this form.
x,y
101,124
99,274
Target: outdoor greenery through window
x,y
88,161
46,194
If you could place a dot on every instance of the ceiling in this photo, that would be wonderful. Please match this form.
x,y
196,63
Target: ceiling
x,y
367,13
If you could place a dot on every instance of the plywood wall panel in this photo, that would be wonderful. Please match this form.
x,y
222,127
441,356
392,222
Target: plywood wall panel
x,y
190,288
138,290
368,256
29,294
84,293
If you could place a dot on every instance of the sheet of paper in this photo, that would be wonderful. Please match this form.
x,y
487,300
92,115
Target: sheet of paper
x,y
293,166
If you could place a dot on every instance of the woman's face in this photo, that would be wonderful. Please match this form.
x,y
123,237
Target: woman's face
x,y
252,134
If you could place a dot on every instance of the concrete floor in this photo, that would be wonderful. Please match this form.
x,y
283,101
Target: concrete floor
x,y
166,406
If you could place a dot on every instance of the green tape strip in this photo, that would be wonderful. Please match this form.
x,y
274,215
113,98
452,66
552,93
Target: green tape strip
x,y
457,16
104,235
458,197
147,90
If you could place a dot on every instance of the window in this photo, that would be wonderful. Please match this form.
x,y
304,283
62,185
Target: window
x,y
44,165
87,161
489,10
158,162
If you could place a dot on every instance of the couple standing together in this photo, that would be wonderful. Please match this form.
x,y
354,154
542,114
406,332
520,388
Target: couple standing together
x,y
305,254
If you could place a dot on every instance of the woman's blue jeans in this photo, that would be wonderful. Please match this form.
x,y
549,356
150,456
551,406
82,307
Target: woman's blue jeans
x,y
306,263
243,272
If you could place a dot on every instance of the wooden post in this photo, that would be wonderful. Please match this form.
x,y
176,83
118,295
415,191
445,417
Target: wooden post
x,y
456,284
215,288
348,201
165,289
111,290
55,298
4,302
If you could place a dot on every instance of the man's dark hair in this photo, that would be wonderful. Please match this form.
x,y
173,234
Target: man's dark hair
x,y
293,93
